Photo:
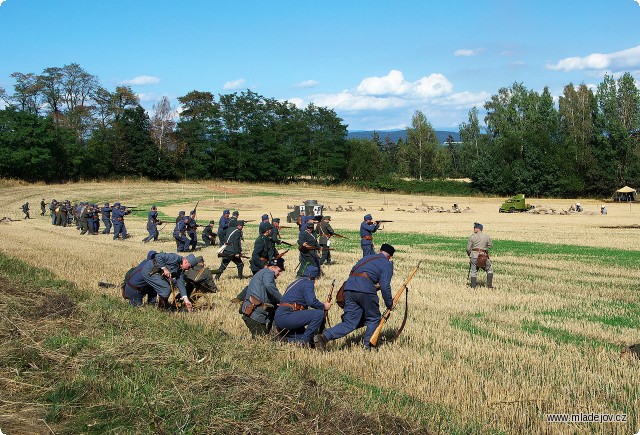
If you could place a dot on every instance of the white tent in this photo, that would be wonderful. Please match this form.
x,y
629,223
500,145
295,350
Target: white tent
x,y
626,194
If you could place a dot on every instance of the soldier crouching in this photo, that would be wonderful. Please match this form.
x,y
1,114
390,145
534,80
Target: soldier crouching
x,y
293,314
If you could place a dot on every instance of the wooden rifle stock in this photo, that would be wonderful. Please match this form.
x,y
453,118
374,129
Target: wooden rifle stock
x,y
281,254
376,334
286,243
329,299
284,226
339,235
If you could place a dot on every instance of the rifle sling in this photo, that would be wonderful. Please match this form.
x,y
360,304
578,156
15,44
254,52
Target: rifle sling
x,y
406,313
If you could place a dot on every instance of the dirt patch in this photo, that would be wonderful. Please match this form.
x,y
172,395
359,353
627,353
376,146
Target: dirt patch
x,y
56,305
228,190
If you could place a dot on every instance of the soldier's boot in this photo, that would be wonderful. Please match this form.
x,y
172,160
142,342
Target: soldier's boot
x,y
474,282
219,271
240,269
490,280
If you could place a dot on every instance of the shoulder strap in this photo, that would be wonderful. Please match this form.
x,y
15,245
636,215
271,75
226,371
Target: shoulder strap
x,y
293,284
373,257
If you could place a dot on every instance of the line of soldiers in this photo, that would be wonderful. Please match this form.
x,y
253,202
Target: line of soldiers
x,y
87,217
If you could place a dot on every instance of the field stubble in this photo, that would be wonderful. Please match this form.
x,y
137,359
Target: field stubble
x,y
546,340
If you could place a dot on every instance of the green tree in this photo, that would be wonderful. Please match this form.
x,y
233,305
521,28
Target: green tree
x,y
422,144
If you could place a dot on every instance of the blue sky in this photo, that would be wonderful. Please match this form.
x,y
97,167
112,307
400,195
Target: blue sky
x,y
374,62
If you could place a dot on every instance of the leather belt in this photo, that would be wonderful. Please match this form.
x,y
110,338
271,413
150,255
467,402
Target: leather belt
x,y
294,306
479,250
363,274
367,237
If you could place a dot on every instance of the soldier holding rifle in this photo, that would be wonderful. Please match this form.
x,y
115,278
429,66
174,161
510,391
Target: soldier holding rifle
x,y
263,249
208,236
152,225
232,250
223,225
361,303
324,235
163,269
308,247
367,228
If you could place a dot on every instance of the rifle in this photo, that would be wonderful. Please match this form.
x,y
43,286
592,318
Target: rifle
x,y
221,255
329,299
280,255
313,248
196,207
248,220
286,243
376,334
382,222
339,235
284,227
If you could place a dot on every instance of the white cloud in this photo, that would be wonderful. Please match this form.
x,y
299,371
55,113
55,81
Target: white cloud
x,y
394,84
2,1
468,51
142,81
616,61
637,1
234,84
311,83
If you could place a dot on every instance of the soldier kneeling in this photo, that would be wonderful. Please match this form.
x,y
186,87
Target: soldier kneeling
x,y
293,314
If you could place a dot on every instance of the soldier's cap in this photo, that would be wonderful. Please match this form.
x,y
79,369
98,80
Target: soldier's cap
x,y
181,212
279,262
193,212
367,217
236,213
185,218
106,204
275,220
200,259
192,260
388,249
265,217
310,224
226,212
151,255
212,222
327,218
311,272
153,207
478,225
264,227
117,204
239,223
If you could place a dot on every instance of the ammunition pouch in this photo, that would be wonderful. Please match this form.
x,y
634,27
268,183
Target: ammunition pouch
x,y
254,303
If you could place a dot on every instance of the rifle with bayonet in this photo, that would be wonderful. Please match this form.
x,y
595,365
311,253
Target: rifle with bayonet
x,y
376,334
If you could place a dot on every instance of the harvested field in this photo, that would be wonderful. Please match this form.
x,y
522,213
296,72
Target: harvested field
x,y
547,339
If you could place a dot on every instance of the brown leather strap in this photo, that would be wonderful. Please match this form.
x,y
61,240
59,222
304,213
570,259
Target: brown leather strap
x,y
479,250
363,274
294,306
367,237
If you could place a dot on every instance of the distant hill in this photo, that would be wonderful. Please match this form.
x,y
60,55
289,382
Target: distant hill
x,y
395,134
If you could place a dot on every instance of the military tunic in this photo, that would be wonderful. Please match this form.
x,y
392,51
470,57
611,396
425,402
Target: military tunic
x,y
477,243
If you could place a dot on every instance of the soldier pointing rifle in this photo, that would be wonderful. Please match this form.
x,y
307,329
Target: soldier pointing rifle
x,y
367,228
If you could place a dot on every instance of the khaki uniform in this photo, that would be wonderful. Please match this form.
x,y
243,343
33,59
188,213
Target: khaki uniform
x,y
478,242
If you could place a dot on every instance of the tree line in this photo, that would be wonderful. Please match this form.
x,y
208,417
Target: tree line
x,y
62,125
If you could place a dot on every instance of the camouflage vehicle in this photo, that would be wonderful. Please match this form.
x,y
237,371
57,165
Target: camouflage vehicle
x,y
515,204
310,208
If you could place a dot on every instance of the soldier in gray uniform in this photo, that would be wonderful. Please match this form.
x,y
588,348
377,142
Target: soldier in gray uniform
x,y
325,232
261,298
232,250
477,248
